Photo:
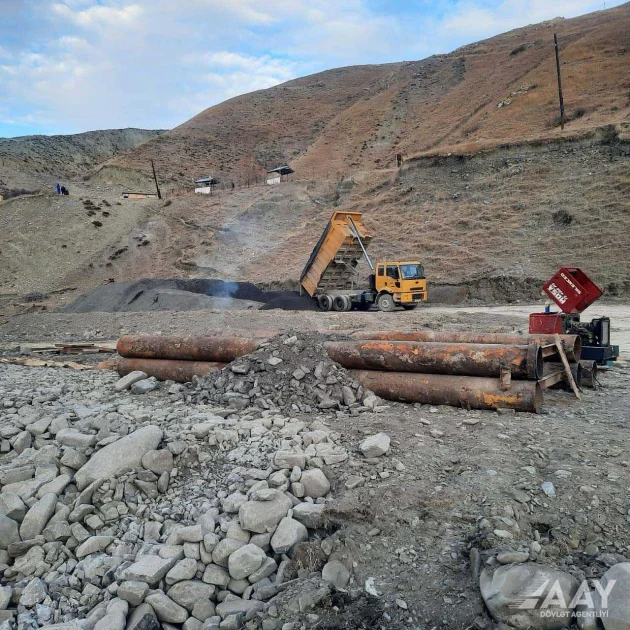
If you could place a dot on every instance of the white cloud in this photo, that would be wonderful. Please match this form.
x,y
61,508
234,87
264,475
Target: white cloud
x,y
87,64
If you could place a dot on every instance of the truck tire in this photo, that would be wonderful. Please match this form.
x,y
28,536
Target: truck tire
x,y
386,302
324,302
342,303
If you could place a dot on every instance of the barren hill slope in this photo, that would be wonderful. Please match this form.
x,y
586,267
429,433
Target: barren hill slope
x,y
27,160
499,90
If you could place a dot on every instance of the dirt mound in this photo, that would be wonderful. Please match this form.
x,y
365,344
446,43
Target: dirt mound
x,y
178,294
291,372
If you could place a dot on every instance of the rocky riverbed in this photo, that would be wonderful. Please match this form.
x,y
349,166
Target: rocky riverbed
x,y
141,505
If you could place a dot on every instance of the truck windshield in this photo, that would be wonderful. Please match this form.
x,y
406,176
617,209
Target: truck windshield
x,y
412,272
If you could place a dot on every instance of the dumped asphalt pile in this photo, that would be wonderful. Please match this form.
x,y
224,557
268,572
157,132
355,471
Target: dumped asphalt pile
x,y
177,294
291,373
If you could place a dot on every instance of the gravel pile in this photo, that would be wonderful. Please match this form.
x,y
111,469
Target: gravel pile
x,y
125,511
291,373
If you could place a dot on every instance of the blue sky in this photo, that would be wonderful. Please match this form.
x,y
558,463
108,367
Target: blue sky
x,y
68,66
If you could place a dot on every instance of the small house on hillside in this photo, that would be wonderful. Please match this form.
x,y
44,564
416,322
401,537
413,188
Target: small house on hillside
x,y
139,195
276,174
205,185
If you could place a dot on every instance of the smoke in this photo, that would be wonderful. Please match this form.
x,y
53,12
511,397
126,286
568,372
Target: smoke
x,y
225,289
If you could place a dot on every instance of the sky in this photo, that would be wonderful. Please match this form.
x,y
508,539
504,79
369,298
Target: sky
x,y
68,66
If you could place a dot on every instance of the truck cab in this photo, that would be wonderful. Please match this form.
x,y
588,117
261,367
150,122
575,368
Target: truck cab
x,y
399,283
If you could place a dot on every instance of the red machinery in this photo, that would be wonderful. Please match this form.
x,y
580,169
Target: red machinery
x,y
573,291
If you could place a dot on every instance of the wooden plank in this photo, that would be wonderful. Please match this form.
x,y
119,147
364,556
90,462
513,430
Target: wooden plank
x,y
567,367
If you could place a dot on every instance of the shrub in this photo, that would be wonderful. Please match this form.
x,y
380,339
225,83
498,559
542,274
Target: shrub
x,y
519,49
579,112
562,217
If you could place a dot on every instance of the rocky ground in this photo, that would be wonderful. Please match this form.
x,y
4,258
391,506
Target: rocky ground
x,y
178,506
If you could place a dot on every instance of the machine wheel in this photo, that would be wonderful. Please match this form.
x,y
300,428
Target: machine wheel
x,y
409,307
325,302
342,303
386,302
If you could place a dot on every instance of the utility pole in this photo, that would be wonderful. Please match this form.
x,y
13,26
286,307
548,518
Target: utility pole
x,y
555,41
155,179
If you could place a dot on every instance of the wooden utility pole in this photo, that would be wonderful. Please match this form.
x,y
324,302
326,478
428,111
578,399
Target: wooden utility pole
x,y
555,41
156,182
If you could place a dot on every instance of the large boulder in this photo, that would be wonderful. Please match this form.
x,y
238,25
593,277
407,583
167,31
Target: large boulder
x,y
188,592
518,595
244,561
288,534
616,615
38,516
263,516
9,532
124,453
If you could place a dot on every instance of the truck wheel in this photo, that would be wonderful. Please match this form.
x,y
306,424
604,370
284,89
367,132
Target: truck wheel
x,y
342,303
324,302
386,303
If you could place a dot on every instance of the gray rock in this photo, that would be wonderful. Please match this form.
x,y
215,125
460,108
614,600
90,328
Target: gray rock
x,y
310,514
165,608
289,459
375,445
75,439
38,516
512,557
145,386
288,534
244,561
183,570
149,569
9,532
124,453
224,549
216,575
268,567
142,618
617,615
315,483
188,592
158,461
133,591
336,573
34,593
12,506
116,616
5,597
203,609
127,381
94,544
56,486
263,516
505,589
238,606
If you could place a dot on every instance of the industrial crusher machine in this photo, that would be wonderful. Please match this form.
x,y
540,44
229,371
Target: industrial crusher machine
x,y
573,291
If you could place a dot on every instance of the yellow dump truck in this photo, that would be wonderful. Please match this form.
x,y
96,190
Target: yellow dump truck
x,y
331,277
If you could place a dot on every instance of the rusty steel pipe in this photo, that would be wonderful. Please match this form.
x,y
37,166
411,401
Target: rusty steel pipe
x,y
215,348
589,374
576,370
470,392
168,369
462,359
572,343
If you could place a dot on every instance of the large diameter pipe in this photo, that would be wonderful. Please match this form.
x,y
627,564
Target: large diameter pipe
x,y
168,369
470,392
463,359
572,343
214,348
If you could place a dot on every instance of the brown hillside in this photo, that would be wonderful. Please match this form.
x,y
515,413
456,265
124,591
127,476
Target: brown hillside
x,y
356,118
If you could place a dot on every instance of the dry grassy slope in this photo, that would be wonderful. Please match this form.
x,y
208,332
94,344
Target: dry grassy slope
x,y
356,118
28,161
